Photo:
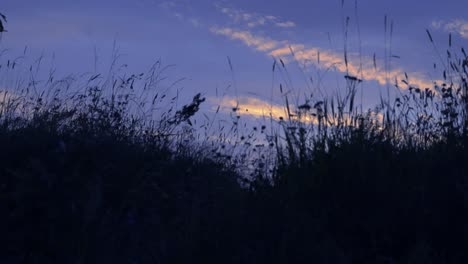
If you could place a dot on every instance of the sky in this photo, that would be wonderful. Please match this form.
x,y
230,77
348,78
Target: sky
x,y
226,49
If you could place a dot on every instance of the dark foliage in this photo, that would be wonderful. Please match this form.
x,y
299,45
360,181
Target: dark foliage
x,y
83,179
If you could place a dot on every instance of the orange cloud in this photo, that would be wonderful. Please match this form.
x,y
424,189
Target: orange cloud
x,y
328,59
257,108
259,43
250,106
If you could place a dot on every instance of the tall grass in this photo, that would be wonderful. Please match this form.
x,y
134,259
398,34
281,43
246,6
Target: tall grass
x,y
108,168
103,169
386,185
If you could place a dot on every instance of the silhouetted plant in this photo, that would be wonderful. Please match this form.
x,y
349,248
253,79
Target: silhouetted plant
x,y
99,169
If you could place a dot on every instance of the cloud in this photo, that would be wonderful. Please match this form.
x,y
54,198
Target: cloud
x,y
250,106
260,21
286,24
257,108
167,4
180,11
458,26
179,15
254,19
325,59
258,43
332,60
195,22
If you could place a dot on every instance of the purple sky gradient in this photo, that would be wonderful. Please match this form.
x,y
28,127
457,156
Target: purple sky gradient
x,y
198,36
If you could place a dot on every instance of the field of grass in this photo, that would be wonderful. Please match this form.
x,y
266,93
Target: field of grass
x,y
95,170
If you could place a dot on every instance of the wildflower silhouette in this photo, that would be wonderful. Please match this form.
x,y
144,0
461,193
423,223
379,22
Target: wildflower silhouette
x,y
3,18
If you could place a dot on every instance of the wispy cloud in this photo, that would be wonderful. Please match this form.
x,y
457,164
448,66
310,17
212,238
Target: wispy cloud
x,y
257,108
458,26
254,19
250,106
180,12
325,59
286,24
167,4
243,28
195,22
256,42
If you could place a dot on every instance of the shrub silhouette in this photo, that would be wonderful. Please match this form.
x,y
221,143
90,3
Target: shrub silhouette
x,y
85,178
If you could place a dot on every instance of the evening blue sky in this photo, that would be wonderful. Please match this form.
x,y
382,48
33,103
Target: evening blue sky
x,y
198,36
